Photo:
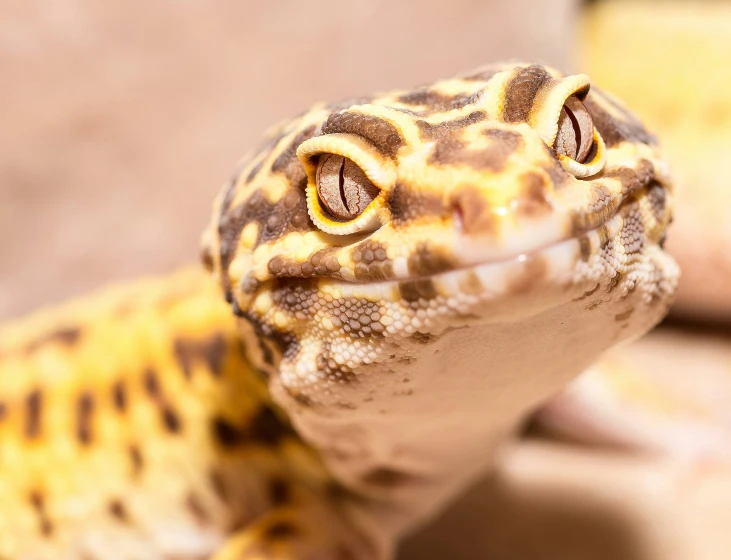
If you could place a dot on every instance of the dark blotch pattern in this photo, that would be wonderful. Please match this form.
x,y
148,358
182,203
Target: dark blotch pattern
x,y
425,261
264,428
33,409
360,318
435,101
68,336
119,396
371,262
287,162
170,419
414,290
432,131
118,510
615,131
275,220
633,179
38,502
211,351
381,133
450,150
84,416
521,92
136,459
406,204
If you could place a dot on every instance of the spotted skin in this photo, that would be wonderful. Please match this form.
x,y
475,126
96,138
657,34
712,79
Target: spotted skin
x,y
337,382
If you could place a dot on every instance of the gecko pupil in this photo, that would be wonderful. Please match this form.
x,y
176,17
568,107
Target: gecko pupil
x,y
575,135
343,188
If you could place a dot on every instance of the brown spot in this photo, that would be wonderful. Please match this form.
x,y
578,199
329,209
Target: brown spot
x,y
533,201
84,411
211,351
432,131
118,511
38,503
280,492
381,133
406,204
615,131
266,427
33,406
657,197
170,419
136,459
255,169
196,509
207,258
521,92
3,411
263,428
585,247
533,272
371,261
68,336
297,298
473,212
280,530
119,396
287,161
448,150
151,384
436,101
425,261
413,290
360,318
275,220
633,179
226,433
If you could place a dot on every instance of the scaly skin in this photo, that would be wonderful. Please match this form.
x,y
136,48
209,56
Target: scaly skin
x,y
400,344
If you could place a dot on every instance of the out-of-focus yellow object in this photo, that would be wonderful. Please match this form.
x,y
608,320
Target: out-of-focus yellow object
x,y
671,62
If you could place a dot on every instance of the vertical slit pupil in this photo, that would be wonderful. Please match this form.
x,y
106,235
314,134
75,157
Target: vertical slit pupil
x,y
341,183
576,127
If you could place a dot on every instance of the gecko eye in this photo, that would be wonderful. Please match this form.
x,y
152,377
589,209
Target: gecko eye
x,y
342,187
575,131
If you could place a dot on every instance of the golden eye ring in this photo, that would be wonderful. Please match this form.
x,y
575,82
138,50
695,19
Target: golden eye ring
x,y
346,180
579,146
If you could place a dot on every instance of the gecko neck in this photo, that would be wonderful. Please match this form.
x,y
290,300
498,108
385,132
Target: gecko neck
x,y
415,431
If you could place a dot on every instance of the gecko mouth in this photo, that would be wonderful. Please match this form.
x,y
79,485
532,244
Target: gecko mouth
x,y
552,266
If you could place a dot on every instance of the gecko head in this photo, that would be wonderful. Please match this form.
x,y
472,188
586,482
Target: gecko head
x,y
360,233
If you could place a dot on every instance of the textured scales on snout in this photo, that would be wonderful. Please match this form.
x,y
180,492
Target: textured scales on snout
x,y
407,275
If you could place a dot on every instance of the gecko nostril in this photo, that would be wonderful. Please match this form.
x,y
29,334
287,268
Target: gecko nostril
x,y
458,216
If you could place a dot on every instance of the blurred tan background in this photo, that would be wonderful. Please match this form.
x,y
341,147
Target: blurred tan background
x,y
121,120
